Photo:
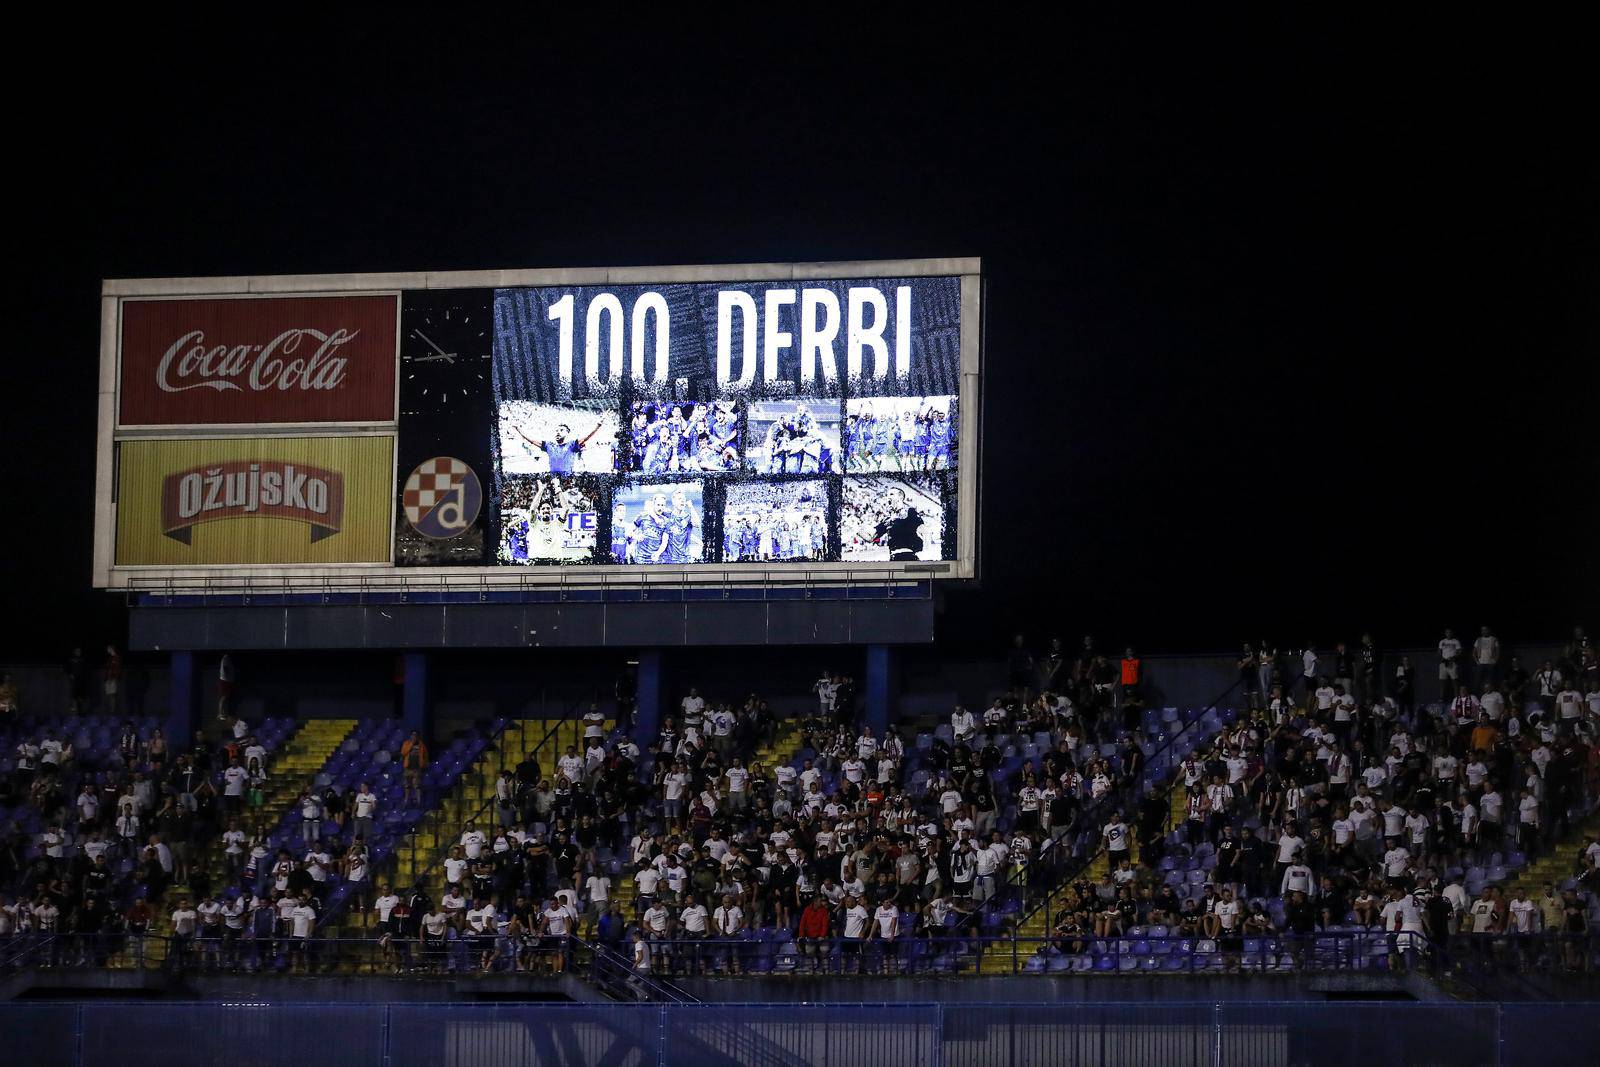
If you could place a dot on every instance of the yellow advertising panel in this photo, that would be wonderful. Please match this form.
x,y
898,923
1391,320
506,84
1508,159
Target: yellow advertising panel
x,y
254,500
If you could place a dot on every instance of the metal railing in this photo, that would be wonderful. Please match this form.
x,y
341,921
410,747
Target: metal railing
x,y
463,954
1270,952
879,582
619,979
1171,1033
434,821
229,952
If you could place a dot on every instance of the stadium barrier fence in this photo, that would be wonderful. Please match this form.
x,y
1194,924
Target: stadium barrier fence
x,y
607,967
1205,1034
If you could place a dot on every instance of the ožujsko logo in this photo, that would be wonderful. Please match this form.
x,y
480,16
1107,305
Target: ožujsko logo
x,y
248,488
442,498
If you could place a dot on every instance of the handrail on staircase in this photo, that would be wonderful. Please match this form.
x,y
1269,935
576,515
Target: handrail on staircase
x,y
613,974
435,817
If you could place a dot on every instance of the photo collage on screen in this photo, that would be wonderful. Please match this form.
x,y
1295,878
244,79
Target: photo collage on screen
x,y
745,422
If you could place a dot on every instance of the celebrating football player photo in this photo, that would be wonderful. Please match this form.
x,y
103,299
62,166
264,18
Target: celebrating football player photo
x,y
548,519
775,522
891,433
794,437
557,439
658,523
666,438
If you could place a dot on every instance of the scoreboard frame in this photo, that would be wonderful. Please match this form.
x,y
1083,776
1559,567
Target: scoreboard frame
x,y
117,294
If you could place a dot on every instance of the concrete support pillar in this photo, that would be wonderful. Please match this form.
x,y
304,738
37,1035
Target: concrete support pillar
x,y
883,686
650,698
416,710
183,710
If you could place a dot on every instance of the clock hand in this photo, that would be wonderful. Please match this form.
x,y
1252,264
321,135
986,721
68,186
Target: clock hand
x,y
449,356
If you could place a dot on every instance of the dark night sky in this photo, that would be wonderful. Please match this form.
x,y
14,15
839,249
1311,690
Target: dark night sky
x,y
1292,328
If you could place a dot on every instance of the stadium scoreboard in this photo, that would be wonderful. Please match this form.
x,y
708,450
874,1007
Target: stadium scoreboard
x,y
702,424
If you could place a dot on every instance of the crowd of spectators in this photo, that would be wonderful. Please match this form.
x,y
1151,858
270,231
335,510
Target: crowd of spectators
x,y
1336,798
1340,801
97,826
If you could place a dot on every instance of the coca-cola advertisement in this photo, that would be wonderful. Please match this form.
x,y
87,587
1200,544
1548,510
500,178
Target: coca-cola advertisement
x,y
258,360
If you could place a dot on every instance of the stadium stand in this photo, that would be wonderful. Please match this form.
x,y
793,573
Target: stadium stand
x,y
1065,830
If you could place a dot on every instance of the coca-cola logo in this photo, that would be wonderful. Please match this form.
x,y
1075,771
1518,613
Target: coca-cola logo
x,y
216,361
288,361
249,488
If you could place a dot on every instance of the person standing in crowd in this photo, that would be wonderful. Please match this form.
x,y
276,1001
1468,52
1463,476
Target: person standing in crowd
x,y
77,671
413,762
1449,667
111,680
1485,659
225,678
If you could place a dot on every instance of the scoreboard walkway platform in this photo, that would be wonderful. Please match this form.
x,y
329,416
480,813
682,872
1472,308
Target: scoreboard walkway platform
x,y
236,616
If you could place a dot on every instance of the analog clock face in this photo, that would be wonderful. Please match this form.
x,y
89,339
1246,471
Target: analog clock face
x,y
446,339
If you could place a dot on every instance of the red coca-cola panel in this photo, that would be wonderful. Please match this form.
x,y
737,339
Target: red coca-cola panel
x,y
258,360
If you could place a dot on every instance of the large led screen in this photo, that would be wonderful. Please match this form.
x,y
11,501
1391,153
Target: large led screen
x,y
738,422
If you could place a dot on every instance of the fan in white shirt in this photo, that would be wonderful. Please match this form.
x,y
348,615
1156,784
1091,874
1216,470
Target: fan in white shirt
x,y
1288,845
481,920
184,920
556,919
1490,806
1396,862
694,705
1569,704
728,918
1524,914
1449,649
385,906
693,918
855,920
1528,811
453,903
